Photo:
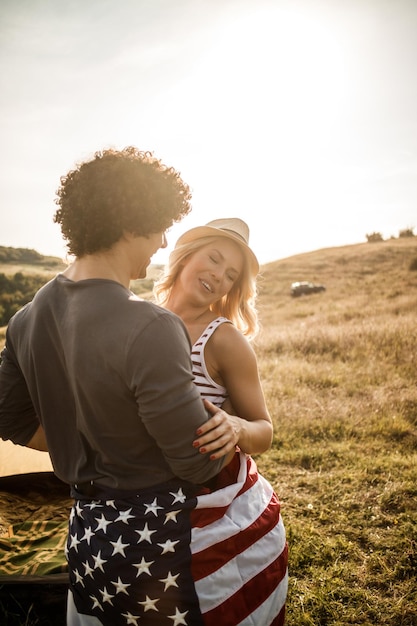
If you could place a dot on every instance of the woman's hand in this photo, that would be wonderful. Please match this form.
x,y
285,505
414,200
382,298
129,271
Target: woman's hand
x,y
220,434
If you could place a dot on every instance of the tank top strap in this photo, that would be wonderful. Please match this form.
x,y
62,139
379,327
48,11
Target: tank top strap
x,y
207,387
207,333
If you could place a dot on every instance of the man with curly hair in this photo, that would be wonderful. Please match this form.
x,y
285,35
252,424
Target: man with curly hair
x,y
103,381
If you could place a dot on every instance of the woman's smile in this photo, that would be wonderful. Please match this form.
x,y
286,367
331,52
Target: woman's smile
x,y
206,285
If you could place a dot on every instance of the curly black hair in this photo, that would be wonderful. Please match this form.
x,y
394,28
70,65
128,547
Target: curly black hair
x,y
118,191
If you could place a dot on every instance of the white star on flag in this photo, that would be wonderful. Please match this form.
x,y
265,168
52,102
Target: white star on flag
x,y
102,523
118,546
124,516
152,508
143,566
78,509
171,516
88,569
88,533
178,618
93,505
96,603
170,581
145,534
74,542
168,546
106,595
98,561
78,577
149,604
131,619
178,496
120,586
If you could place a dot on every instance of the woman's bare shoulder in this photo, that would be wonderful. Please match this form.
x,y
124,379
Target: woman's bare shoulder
x,y
228,338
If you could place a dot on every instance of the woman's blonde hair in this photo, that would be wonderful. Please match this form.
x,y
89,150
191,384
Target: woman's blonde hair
x,y
238,305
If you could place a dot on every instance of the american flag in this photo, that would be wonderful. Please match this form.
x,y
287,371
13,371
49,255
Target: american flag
x,y
239,549
130,561
167,557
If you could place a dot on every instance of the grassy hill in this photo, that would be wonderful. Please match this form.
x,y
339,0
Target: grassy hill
x,y
339,371
28,261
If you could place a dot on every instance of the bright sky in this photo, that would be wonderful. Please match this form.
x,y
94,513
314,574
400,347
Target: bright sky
x,y
299,116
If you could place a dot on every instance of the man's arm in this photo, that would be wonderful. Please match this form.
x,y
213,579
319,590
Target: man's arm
x,y
169,404
18,419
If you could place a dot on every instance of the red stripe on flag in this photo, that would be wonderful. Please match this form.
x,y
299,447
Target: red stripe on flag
x,y
212,558
201,517
251,596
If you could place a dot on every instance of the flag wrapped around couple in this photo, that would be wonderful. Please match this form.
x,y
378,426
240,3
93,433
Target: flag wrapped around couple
x,y
238,552
239,549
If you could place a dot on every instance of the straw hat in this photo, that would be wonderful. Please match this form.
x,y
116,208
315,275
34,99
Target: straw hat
x,y
233,228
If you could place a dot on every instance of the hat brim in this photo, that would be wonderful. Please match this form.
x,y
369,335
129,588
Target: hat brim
x,y
208,231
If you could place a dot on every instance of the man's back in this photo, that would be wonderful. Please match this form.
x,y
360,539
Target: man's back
x,y
106,392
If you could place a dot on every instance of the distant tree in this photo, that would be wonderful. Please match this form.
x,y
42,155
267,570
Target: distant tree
x,y
407,232
373,237
30,256
15,292
413,265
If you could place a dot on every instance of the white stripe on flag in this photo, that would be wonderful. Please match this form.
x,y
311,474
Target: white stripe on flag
x,y
223,583
223,497
241,513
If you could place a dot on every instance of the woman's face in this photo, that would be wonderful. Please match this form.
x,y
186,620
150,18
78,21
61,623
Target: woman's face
x,y
210,273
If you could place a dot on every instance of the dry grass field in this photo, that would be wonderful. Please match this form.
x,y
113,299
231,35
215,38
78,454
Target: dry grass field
x,y
339,371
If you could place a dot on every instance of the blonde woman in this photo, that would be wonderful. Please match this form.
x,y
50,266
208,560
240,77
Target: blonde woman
x,y
238,538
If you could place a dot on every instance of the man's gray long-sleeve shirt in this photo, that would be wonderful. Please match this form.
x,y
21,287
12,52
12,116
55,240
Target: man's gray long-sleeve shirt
x,y
109,377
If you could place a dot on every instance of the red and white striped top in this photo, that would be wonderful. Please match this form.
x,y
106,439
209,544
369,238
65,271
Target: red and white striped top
x,y
207,387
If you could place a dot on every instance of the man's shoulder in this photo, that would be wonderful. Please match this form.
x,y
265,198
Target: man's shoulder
x,y
164,318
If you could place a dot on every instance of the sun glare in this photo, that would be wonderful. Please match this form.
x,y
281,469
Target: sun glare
x,y
273,63
265,102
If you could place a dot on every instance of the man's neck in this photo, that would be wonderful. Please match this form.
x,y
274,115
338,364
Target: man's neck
x,y
107,265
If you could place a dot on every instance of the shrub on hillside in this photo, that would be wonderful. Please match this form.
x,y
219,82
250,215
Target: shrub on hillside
x,y
407,232
373,237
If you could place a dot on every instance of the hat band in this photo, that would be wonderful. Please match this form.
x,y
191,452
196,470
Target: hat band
x,y
235,234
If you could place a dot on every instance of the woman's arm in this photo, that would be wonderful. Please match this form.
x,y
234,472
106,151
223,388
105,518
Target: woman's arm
x,y
251,428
